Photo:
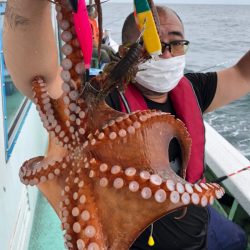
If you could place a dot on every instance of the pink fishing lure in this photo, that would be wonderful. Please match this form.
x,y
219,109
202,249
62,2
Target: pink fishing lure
x,y
84,32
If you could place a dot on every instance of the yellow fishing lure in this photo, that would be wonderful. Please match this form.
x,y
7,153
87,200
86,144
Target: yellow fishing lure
x,y
146,23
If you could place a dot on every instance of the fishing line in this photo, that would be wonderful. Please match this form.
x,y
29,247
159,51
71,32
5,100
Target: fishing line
x,y
222,178
216,65
91,5
116,20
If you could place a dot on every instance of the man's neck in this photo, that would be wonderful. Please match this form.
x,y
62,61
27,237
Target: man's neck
x,y
151,95
160,99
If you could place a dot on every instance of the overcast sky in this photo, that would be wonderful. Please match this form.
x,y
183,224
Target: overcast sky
x,y
195,1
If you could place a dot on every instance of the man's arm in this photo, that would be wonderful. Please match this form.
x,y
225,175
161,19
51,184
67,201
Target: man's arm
x,y
29,45
232,84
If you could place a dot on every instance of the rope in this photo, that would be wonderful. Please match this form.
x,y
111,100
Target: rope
x,y
222,178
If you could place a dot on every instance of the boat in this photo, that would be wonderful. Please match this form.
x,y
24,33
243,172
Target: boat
x,y
22,136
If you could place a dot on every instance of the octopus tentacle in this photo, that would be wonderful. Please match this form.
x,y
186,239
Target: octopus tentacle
x,y
134,121
40,169
123,129
43,103
52,118
75,108
79,214
72,64
83,228
151,184
70,116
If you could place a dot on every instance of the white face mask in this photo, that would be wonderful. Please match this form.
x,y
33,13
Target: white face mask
x,y
161,75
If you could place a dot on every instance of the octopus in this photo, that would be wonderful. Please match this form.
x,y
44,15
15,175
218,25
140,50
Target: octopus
x,y
114,173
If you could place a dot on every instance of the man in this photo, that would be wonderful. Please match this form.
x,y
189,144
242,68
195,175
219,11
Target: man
x,y
200,228
92,13
28,22
105,50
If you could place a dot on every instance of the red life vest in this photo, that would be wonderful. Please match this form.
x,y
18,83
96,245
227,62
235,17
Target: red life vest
x,y
188,110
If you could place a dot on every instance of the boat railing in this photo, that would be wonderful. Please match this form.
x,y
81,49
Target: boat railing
x,y
223,159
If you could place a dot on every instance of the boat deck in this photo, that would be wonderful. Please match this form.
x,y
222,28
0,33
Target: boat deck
x,y
46,232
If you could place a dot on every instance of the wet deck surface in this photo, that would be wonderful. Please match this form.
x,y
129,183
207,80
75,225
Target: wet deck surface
x,y
46,231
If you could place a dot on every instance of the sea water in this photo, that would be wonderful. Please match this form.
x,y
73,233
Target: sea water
x,y
219,36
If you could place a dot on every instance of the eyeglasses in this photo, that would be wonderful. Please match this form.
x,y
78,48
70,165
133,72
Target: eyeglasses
x,y
176,47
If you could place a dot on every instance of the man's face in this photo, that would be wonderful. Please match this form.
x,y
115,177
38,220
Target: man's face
x,y
92,12
171,29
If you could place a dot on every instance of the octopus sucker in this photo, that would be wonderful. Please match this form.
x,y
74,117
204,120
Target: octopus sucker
x,y
40,169
80,217
81,220
53,119
111,170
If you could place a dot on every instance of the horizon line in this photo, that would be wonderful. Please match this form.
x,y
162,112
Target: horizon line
x,y
184,3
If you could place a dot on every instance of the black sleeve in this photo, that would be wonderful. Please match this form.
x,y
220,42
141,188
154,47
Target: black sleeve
x,y
204,85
